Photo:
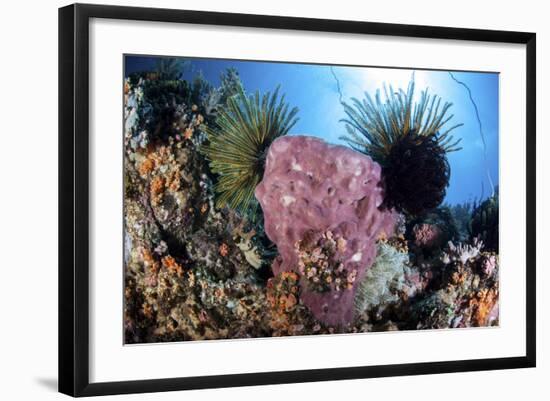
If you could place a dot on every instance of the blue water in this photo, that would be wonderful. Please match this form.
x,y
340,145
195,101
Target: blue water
x,y
314,90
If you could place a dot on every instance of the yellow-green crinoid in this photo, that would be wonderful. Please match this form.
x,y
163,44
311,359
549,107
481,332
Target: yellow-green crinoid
x,y
238,145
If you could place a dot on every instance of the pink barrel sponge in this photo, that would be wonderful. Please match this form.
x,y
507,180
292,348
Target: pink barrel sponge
x,y
312,189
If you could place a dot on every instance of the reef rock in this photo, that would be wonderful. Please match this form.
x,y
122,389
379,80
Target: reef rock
x,y
322,208
428,236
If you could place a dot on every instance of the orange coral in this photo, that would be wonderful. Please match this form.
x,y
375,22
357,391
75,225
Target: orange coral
x,y
147,310
287,302
188,133
399,242
219,293
459,277
174,181
147,256
157,190
146,167
482,304
164,171
282,297
191,279
172,266
150,263
290,276
224,250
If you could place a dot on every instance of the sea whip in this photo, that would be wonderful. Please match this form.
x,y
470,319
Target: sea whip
x,y
480,131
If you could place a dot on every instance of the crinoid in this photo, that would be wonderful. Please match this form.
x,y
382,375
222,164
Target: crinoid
x,y
408,140
238,144
416,174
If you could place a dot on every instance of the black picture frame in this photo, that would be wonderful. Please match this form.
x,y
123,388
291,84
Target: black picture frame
x,y
74,201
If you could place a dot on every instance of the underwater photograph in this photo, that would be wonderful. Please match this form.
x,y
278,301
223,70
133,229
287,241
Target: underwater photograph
x,y
269,199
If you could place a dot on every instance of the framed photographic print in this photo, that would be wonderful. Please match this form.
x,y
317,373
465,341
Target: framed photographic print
x,y
250,200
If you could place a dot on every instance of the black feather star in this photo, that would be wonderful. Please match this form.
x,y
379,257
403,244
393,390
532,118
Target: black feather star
x,y
407,139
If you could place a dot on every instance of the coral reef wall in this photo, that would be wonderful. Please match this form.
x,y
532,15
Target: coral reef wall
x,y
189,267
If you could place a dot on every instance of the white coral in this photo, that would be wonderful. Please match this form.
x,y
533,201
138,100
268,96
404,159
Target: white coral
x,y
462,252
251,253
